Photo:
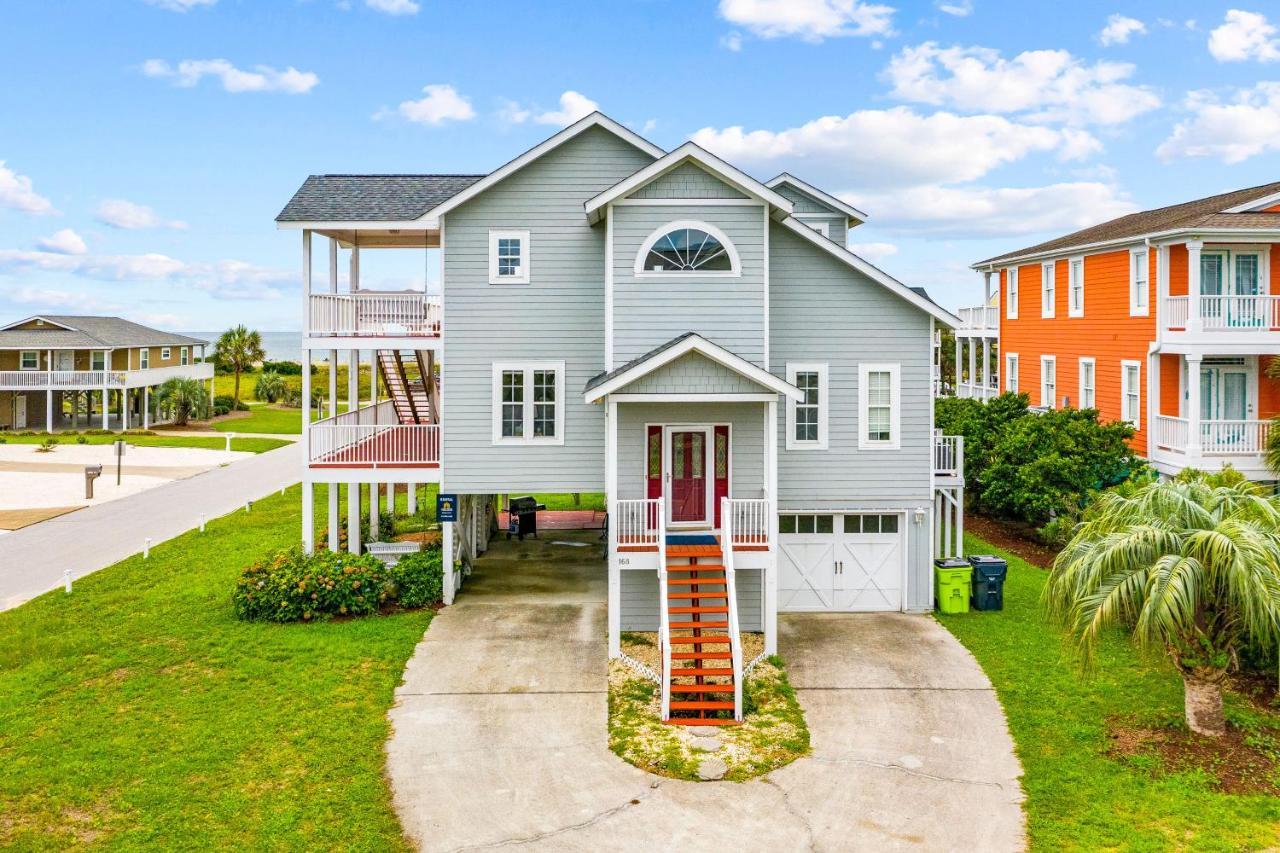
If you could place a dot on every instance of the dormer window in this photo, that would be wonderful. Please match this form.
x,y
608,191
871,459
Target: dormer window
x,y
687,249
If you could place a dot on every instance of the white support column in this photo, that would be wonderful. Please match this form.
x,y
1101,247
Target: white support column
x,y
354,544
124,408
1162,291
771,568
986,288
446,560
373,512
956,389
373,379
611,504
412,499
1153,399
1195,322
1193,409
106,372
48,409
308,517
973,366
146,407
306,407
333,516
986,366
391,498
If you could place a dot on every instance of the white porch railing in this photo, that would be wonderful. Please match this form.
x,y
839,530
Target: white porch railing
x,y
1172,433
638,522
1217,437
948,455
370,436
1175,312
366,313
730,532
1243,313
745,522
62,378
978,391
980,317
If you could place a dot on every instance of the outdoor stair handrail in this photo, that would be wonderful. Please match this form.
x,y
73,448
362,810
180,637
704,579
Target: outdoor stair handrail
x,y
664,613
731,601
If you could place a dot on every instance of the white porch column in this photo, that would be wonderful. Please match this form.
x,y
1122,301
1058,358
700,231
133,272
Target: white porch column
x,y
446,559
973,365
373,379
1153,400
124,408
333,516
1162,291
391,497
771,569
1193,408
1195,322
333,398
308,517
106,372
986,367
306,406
611,506
48,409
412,499
353,489
146,407
959,372
373,512
986,289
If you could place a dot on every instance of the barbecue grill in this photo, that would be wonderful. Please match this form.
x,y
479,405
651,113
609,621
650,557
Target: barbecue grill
x,y
522,517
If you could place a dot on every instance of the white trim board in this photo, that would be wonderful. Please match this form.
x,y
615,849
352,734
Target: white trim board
x,y
817,195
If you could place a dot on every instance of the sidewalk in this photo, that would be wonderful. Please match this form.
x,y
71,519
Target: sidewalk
x,y
32,560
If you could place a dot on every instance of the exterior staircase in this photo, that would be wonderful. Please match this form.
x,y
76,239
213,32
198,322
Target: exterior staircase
x,y
704,673
411,398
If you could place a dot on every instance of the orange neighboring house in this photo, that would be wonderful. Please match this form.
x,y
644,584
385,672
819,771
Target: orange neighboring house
x,y
1166,318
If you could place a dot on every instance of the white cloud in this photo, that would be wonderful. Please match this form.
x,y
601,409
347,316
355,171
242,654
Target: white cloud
x,y
1243,36
959,8
731,41
224,279
1120,29
263,78
180,5
874,252
811,20
897,147
573,106
1047,85
964,212
64,242
17,192
1231,130
441,103
130,216
393,7
511,112
50,299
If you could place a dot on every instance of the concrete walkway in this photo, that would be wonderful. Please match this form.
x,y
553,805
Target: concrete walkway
x,y
500,733
32,560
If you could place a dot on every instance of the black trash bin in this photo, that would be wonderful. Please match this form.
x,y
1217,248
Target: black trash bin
x,y
988,581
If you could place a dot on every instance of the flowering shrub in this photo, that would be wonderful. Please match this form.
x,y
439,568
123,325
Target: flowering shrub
x,y
418,579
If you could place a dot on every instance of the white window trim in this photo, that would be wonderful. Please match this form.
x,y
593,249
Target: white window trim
x,y
1048,283
895,406
1011,372
166,353
1124,392
1011,293
94,355
528,368
184,355
1072,310
26,352
144,358
1080,399
526,255
735,266
1136,310
1052,402
821,369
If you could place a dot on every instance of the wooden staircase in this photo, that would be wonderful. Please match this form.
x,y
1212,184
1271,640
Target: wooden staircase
x,y
411,398
704,641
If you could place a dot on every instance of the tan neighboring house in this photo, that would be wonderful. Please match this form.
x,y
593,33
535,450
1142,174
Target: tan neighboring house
x,y
65,372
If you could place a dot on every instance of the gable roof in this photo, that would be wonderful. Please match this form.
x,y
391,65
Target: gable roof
x,y
1209,212
77,332
817,195
371,198
690,151
607,383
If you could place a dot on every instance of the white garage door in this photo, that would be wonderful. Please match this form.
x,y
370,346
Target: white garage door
x,y
851,562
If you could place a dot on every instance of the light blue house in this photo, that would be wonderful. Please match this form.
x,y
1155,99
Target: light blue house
x,y
754,399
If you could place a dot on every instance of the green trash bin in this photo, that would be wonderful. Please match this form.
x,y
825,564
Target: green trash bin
x,y
951,579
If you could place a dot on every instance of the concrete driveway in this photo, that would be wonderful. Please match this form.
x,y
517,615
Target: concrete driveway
x,y
499,732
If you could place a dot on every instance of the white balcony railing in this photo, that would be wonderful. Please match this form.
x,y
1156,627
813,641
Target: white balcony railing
x,y
948,455
978,391
94,379
1217,437
638,522
1259,313
1175,312
370,437
980,317
372,314
746,523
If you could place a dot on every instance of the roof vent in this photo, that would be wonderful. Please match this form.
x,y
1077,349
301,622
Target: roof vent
x,y
39,322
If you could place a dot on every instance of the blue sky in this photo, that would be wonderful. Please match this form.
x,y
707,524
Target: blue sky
x,y
148,144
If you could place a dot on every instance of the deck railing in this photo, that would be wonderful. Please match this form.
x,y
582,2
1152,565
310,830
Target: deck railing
x,y
373,314
1172,433
371,436
1176,309
1257,313
948,455
745,522
62,378
980,317
638,522
729,531
1217,437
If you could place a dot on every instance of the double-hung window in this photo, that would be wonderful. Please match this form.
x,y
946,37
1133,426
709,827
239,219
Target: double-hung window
x,y
29,360
1131,392
1048,289
166,354
98,359
1048,381
508,257
807,417
528,402
184,356
879,406
144,358
1011,293
1139,283
1011,372
1075,287
1088,384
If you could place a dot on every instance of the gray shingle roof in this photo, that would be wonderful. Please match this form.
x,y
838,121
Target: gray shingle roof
x,y
371,198
91,333
1200,213
601,378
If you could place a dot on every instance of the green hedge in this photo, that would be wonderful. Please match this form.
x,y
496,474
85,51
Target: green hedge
x,y
291,586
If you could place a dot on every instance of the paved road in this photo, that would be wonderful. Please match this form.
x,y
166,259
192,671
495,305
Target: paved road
x,y
33,559
499,733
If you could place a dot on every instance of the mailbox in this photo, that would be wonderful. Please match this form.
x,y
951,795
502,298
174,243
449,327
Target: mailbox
x,y
91,473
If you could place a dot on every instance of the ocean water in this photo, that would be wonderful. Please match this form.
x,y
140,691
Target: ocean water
x,y
279,346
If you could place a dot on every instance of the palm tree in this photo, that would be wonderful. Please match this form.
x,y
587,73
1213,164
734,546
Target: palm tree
x,y
183,399
269,387
1190,567
238,349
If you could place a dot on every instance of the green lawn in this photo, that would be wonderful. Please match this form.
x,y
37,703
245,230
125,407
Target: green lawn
x,y
264,418
138,712
1077,797
212,442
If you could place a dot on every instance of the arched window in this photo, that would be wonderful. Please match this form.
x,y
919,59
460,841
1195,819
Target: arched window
x,y
687,248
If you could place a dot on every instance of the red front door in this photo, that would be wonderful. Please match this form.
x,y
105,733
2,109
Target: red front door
x,y
688,475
